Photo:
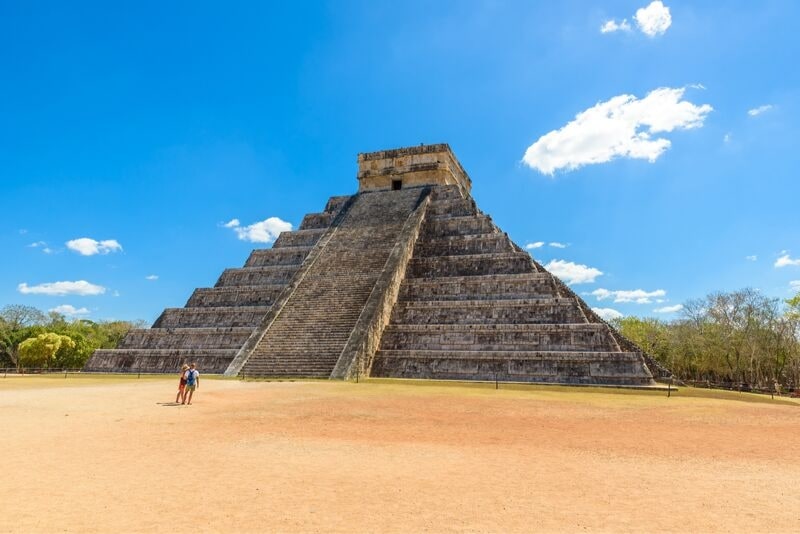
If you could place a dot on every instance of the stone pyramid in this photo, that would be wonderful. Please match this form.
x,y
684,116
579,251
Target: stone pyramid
x,y
407,279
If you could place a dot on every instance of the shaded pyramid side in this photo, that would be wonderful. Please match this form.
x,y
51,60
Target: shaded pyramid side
x,y
217,321
474,306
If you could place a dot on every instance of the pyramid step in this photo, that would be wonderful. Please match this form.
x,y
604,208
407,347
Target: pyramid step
x,y
235,296
458,207
221,316
159,360
256,276
493,243
185,338
472,264
499,337
561,367
527,311
486,287
473,224
271,257
299,238
315,221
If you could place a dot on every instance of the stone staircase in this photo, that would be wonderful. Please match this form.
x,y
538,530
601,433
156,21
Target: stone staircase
x,y
217,321
475,306
310,332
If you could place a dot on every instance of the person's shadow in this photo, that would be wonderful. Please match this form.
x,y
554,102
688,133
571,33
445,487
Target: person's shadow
x,y
169,403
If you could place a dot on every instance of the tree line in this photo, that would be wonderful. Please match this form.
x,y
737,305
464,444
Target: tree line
x,y
737,338
31,338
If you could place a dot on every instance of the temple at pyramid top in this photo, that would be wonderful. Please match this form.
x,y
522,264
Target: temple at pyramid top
x,y
411,166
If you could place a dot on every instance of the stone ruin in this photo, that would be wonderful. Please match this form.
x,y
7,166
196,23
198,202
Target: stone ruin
x,y
407,278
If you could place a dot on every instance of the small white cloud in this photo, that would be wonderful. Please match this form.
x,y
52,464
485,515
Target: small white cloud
x,y
751,258
69,310
669,309
607,313
755,112
727,138
41,245
697,86
612,25
623,126
639,296
654,19
531,246
265,231
786,261
556,244
86,246
794,285
115,294
573,273
151,277
80,287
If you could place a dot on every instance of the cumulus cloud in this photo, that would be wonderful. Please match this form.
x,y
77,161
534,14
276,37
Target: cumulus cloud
x,y
755,112
786,261
751,258
537,244
573,273
79,287
556,244
151,277
86,246
265,231
669,309
69,310
607,313
654,19
794,285
612,25
639,296
623,126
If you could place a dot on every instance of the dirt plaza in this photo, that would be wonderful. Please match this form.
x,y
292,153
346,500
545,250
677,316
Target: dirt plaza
x,y
114,454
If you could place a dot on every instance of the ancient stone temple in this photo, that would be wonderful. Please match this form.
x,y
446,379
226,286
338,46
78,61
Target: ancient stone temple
x,y
406,278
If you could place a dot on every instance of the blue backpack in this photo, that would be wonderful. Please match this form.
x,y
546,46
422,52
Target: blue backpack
x,y
191,376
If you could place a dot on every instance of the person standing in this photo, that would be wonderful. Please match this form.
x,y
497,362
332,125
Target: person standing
x,y
192,383
182,384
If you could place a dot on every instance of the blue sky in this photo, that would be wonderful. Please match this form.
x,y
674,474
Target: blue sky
x,y
145,127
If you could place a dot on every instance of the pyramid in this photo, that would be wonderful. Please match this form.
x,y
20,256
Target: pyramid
x,y
407,278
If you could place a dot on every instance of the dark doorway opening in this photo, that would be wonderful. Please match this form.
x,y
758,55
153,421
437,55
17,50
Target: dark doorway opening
x,y
397,185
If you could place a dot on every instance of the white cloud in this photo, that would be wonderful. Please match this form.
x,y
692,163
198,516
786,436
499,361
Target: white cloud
x,y
727,138
751,258
151,277
755,112
639,296
86,246
794,285
42,245
265,231
573,273
69,310
654,19
612,25
785,261
620,127
669,309
555,244
607,313
80,287
531,246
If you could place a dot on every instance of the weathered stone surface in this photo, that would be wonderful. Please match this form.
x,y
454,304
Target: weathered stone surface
x,y
408,283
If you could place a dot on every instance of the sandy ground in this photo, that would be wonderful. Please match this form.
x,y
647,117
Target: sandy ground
x,y
113,455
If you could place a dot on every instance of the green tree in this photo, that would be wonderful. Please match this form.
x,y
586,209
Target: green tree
x,y
40,351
